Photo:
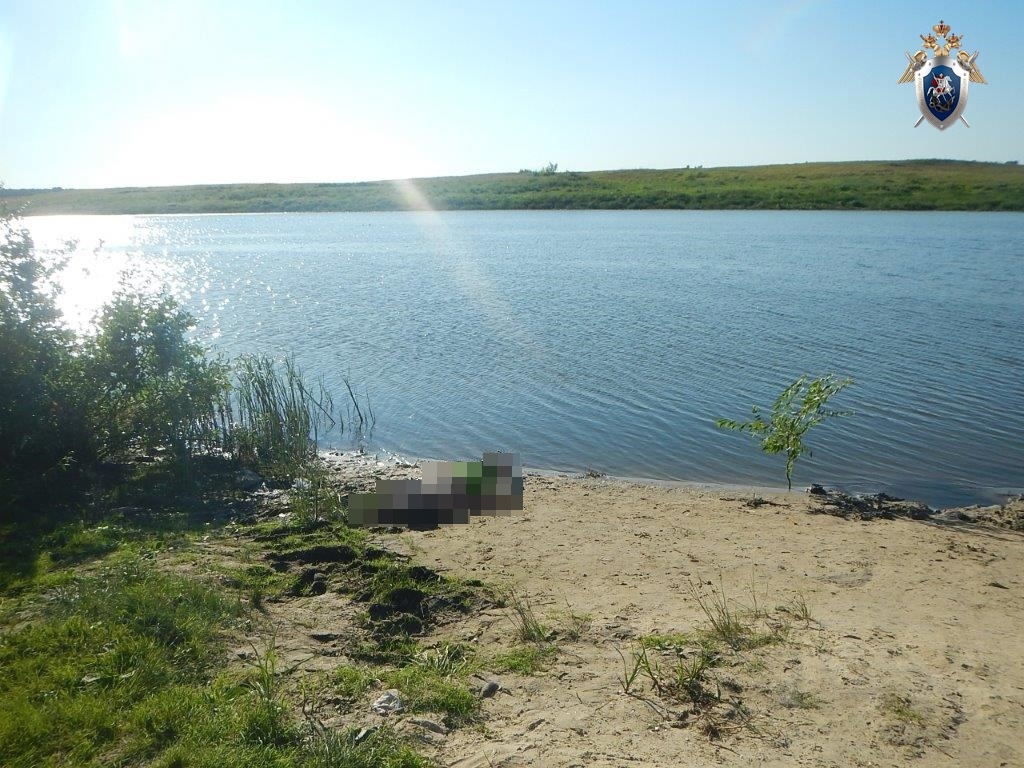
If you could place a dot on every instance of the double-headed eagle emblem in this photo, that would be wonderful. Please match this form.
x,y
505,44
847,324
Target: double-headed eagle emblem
x,y
941,81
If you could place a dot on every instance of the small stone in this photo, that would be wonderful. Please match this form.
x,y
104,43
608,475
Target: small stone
x,y
388,702
324,637
816,490
430,725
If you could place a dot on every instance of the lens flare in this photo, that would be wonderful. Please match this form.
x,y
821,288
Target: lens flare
x,y
467,274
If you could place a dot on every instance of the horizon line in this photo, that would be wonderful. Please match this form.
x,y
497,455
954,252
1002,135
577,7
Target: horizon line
x,y
5,190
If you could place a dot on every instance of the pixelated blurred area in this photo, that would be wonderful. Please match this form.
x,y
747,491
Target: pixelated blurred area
x,y
450,493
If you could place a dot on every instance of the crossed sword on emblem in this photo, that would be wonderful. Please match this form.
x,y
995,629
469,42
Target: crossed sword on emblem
x,y
918,60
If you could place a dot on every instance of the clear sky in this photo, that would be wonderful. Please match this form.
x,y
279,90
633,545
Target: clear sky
x,y
148,92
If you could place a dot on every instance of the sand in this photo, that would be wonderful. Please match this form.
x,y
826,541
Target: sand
x,y
915,654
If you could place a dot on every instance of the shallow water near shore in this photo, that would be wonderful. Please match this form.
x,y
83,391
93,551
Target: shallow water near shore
x,y
613,339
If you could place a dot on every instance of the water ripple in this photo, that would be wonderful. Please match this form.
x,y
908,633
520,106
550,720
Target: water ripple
x,y
614,339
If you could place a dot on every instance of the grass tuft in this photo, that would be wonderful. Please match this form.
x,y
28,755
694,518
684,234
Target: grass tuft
x,y
425,690
105,653
734,626
350,681
690,679
529,629
447,660
797,699
379,749
523,659
725,622
901,707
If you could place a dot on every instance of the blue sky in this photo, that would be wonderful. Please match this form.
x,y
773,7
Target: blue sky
x,y
140,92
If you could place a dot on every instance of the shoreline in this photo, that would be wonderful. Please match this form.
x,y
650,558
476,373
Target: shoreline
x,y
1008,512
354,459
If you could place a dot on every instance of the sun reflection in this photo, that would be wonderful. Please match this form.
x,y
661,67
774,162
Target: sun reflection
x,y
102,255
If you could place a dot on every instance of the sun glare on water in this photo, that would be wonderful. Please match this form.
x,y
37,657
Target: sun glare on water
x,y
102,255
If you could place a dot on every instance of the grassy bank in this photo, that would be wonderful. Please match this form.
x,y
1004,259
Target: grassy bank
x,y
115,631
902,185
206,625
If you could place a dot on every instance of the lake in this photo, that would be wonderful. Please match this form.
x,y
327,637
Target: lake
x,y
611,340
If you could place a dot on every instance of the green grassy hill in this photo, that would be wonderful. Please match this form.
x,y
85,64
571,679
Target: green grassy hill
x,y
902,185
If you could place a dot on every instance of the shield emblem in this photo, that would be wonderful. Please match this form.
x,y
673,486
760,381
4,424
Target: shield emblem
x,y
942,90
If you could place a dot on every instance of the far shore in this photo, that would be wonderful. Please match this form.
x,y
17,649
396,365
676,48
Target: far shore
x,y
898,185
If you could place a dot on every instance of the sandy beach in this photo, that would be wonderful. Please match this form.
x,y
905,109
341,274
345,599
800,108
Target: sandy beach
x,y
902,638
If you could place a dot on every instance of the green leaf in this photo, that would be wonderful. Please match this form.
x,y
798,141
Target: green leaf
x,y
798,408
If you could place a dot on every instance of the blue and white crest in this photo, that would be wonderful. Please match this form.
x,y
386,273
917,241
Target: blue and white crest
x,y
942,90
941,81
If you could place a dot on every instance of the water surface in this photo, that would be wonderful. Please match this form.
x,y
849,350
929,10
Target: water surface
x,y
613,339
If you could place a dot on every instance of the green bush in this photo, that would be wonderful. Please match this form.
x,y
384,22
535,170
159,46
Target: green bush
x,y
153,386
800,407
41,419
139,383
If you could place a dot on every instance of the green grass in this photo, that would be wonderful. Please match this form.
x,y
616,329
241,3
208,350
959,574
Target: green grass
x,y
689,680
794,698
529,629
38,556
801,611
127,665
106,659
382,749
523,659
446,660
350,681
426,690
685,668
901,708
677,642
105,652
918,185
259,582
736,627
429,681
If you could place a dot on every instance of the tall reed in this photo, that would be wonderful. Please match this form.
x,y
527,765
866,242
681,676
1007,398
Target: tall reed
x,y
274,417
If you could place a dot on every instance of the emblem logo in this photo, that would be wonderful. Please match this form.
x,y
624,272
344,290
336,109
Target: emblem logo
x,y
941,81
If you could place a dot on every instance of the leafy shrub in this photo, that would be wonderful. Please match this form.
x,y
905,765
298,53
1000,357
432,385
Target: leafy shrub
x,y
140,383
800,407
153,386
41,419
